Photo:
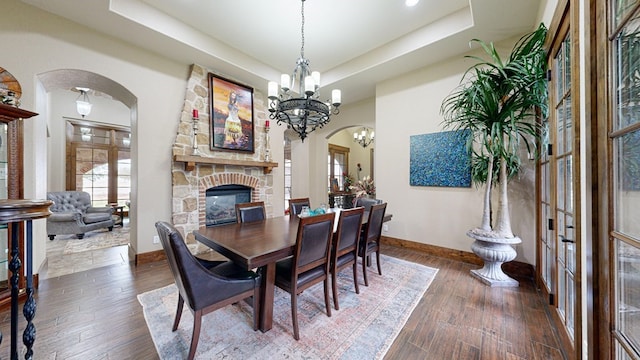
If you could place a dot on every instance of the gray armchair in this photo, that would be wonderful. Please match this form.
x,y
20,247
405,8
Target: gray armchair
x,y
72,213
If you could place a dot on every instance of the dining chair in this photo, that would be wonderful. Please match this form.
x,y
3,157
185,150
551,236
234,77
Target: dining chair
x,y
251,211
295,205
370,239
367,202
309,264
205,285
345,248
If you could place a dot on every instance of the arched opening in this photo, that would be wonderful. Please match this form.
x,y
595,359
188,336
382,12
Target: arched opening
x,y
113,107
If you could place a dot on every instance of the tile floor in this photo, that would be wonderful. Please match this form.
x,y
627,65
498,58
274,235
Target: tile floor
x,y
58,264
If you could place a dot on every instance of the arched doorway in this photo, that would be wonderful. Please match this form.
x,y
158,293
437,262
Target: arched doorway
x,y
113,106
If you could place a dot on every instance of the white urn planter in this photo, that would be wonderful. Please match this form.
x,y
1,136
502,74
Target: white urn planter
x,y
494,252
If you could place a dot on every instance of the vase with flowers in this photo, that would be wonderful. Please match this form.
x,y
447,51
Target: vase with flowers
x,y
364,187
347,182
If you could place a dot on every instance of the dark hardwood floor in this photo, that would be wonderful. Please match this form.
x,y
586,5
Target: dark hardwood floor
x,y
95,314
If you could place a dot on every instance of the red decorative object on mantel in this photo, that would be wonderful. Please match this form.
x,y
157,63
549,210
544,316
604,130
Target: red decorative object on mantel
x,y
195,113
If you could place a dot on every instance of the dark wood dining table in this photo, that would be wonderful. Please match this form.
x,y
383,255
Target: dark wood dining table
x,y
258,244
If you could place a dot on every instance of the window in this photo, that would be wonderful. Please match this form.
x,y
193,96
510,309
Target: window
x,y
338,165
99,162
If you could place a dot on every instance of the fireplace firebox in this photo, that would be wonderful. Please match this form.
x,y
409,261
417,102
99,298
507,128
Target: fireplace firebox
x,y
220,203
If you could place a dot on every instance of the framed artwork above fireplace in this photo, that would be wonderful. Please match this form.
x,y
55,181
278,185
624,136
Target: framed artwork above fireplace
x,y
231,117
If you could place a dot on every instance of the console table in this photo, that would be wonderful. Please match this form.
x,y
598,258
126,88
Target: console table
x,y
343,200
14,213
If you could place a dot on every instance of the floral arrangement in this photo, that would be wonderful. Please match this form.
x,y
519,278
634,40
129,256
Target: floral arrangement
x,y
348,181
364,187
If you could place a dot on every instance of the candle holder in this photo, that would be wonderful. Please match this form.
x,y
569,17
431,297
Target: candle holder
x,y
195,119
267,144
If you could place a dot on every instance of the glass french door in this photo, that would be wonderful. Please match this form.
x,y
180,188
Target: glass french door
x,y
624,135
557,206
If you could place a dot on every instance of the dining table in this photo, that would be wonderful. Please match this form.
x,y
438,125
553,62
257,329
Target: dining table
x,y
259,244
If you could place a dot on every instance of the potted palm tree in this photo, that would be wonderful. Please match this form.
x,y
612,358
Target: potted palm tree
x,y
497,102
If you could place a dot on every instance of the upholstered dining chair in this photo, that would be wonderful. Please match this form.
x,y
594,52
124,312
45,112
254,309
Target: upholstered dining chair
x,y
310,263
251,211
205,285
345,248
370,239
295,205
367,202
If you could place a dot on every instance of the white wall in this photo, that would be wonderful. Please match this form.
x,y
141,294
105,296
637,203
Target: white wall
x,y
62,105
410,105
40,42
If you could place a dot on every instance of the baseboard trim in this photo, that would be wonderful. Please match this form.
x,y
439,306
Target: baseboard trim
x,y
150,257
513,268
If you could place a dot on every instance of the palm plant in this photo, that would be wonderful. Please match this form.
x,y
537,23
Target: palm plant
x,y
497,101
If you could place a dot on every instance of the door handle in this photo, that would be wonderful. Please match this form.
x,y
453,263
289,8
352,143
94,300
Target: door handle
x,y
565,240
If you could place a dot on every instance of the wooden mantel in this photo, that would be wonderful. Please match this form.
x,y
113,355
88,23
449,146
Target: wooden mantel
x,y
190,162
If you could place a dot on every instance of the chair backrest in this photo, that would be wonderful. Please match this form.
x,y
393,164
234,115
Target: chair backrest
x,y
348,232
374,224
193,280
65,201
313,243
367,202
251,211
295,205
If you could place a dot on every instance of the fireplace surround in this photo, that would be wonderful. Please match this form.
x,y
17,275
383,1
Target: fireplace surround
x,y
207,169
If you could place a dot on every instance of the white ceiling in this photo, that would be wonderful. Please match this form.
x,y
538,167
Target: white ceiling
x,y
353,43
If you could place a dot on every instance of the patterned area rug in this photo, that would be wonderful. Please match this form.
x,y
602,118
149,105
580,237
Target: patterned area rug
x,y
95,240
364,327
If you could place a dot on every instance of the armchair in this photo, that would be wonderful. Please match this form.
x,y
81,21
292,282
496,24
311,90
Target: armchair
x,y
72,213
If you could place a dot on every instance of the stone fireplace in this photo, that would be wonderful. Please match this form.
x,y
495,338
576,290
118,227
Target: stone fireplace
x,y
194,173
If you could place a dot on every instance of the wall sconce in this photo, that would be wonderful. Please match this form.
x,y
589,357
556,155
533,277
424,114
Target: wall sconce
x,y
85,134
83,106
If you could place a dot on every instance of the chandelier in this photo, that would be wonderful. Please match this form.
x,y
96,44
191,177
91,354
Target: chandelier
x,y
306,112
364,137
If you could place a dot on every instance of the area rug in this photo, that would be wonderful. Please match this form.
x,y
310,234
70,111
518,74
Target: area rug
x,y
364,327
95,240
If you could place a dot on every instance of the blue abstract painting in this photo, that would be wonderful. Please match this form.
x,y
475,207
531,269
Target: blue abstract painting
x,y
440,159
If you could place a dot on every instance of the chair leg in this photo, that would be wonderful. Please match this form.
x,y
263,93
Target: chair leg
x,y
334,286
364,269
294,315
197,321
378,261
178,313
327,302
355,276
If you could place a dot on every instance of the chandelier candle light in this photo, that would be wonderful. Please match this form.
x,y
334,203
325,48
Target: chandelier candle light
x,y
305,113
364,138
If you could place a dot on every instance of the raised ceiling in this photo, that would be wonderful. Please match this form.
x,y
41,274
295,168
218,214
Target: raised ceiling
x,y
354,43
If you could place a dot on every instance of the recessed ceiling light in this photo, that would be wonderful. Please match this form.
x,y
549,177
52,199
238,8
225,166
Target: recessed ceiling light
x,y
411,2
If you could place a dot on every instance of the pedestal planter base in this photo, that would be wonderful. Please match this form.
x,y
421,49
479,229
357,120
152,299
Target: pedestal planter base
x,y
494,252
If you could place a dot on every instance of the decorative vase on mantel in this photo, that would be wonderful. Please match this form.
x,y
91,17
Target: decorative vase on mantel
x,y
494,251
